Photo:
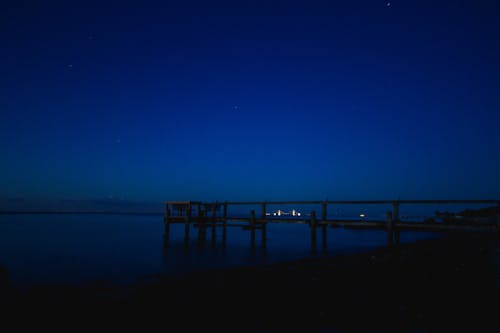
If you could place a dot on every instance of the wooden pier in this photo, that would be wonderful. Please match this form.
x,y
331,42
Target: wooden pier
x,y
203,216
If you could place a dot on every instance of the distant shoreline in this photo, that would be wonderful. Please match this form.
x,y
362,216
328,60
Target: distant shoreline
x,y
77,213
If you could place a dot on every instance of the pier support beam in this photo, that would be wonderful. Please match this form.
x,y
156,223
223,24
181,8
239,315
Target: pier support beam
x,y
323,211
313,225
263,213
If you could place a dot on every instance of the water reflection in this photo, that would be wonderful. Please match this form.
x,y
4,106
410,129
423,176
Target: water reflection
x,y
204,245
76,249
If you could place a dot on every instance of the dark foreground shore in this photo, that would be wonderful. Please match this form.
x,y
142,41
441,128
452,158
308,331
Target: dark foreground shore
x,y
438,285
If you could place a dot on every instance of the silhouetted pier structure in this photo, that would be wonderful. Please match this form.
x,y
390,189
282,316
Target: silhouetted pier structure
x,y
211,215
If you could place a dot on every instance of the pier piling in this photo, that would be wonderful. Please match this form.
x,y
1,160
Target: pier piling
x,y
214,216
252,227
389,226
324,237
323,211
264,233
186,234
313,225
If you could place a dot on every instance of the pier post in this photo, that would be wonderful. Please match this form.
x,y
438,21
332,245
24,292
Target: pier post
x,y
323,237
264,235
186,234
167,221
167,230
498,216
263,214
252,227
224,222
166,236
214,210
323,211
389,224
202,234
189,211
224,237
198,210
313,231
167,213
395,212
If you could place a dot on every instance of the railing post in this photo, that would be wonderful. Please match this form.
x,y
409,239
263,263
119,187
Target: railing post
x,y
263,215
225,210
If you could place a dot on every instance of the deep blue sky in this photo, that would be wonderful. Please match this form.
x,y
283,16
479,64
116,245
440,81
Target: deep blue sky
x,y
256,100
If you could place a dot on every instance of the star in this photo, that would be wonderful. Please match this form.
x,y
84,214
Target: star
x,y
388,4
236,107
70,66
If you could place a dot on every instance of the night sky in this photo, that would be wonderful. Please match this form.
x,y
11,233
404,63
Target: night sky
x,y
259,100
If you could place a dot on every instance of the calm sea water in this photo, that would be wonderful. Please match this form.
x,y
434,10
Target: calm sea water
x,y
116,249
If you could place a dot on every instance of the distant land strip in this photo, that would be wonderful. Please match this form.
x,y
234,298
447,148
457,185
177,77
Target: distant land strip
x,y
362,202
53,212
